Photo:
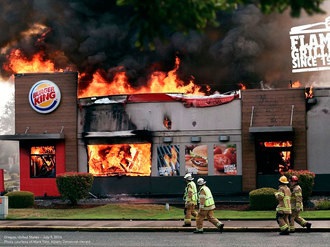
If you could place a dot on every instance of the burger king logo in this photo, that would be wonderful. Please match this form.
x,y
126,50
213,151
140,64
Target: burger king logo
x,y
44,96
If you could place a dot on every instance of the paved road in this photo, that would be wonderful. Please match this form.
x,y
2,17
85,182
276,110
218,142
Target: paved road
x,y
161,239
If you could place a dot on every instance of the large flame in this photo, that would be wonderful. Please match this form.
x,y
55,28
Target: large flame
x,y
18,63
158,82
120,159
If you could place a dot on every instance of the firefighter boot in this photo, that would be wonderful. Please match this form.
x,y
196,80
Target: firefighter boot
x,y
285,232
198,231
308,226
220,227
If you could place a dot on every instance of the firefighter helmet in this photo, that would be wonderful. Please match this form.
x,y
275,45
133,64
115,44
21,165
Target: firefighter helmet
x,y
188,176
283,180
201,181
294,179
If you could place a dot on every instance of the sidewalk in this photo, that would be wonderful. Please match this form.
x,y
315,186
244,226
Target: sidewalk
x,y
148,226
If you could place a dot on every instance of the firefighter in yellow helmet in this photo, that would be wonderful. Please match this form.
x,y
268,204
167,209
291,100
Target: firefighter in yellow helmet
x,y
206,207
190,199
283,209
297,205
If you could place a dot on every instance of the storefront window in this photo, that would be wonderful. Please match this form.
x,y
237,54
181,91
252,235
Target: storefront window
x,y
120,159
42,162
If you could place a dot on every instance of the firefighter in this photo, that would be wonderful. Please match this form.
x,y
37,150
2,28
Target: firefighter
x,y
206,207
297,205
283,209
190,199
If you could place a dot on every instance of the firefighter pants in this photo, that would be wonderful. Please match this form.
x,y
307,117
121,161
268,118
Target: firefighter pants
x,y
209,214
283,221
295,217
188,212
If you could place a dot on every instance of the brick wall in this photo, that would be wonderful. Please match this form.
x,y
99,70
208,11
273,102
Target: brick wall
x,y
272,108
64,116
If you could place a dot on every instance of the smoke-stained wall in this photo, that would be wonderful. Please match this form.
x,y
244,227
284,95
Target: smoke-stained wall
x,y
318,136
208,124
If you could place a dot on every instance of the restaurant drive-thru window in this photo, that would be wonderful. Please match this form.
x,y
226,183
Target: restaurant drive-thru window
x,y
42,162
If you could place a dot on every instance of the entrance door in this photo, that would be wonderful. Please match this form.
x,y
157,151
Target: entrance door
x,y
274,155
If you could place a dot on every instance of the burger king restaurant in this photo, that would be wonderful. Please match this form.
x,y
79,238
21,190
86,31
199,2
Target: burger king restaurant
x,y
143,144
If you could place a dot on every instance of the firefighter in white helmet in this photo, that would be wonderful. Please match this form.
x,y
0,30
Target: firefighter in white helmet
x,y
283,209
297,205
190,199
206,207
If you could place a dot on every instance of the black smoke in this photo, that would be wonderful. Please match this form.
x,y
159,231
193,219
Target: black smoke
x,y
86,36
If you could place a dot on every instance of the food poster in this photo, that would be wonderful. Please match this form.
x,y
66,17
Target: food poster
x,y
168,161
196,159
225,159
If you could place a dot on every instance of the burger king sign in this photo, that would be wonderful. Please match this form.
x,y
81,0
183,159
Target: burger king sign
x,y
44,96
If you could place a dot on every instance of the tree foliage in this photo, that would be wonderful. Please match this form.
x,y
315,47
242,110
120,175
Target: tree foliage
x,y
154,18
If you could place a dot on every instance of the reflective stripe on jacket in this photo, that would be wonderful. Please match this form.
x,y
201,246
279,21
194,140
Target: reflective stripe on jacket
x,y
207,199
190,194
283,195
296,198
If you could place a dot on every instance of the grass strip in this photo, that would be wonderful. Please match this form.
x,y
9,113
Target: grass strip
x,y
143,212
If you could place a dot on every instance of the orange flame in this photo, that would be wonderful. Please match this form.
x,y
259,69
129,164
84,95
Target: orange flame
x,y
120,159
241,86
296,84
278,144
18,63
158,82
309,93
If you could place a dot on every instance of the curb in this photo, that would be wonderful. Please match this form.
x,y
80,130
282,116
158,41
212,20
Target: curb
x,y
149,229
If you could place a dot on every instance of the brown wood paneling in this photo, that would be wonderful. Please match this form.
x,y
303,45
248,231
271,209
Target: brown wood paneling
x,y
65,116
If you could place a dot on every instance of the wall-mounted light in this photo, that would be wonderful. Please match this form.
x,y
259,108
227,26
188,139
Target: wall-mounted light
x,y
224,138
196,139
167,139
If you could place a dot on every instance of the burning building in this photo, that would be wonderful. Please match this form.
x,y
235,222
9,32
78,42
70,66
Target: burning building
x,y
144,143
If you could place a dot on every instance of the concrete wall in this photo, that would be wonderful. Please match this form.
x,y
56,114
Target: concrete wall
x,y
318,138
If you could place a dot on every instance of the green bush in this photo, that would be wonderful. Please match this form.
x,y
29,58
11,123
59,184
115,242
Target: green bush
x,y
263,199
20,199
323,205
74,185
306,181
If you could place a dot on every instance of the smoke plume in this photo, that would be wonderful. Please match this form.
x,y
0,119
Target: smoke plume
x,y
87,36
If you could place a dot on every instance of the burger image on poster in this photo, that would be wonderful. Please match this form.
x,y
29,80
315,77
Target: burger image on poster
x,y
196,160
